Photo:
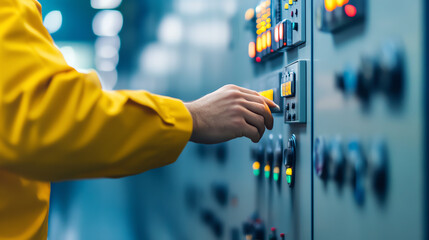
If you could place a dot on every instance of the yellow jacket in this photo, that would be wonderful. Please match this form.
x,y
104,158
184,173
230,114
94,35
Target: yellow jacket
x,y
58,124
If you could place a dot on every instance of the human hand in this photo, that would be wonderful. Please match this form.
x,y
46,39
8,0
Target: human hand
x,y
230,112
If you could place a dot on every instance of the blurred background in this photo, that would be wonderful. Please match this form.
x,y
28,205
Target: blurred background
x,y
348,155
179,48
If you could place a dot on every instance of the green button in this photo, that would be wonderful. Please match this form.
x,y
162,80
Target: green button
x,y
289,179
256,172
276,176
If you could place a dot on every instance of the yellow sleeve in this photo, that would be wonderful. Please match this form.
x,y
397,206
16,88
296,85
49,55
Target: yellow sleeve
x,y
58,124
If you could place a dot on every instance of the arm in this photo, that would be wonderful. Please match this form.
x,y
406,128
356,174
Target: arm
x,y
59,124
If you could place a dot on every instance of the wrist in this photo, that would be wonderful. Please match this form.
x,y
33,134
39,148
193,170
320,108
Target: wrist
x,y
191,108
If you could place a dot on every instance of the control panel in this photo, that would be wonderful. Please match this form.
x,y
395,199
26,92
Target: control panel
x,y
280,25
347,155
293,90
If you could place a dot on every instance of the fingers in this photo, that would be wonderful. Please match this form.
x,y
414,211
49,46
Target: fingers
x,y
255,120
258,106
254,93
251,132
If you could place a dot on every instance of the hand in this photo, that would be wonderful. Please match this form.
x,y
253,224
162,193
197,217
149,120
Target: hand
x,y
228,113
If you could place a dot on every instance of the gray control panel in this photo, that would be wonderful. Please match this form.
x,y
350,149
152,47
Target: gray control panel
x,y
293,90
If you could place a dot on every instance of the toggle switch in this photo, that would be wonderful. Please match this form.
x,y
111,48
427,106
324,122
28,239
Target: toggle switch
x,y
289,160
278,156
269,157
275,96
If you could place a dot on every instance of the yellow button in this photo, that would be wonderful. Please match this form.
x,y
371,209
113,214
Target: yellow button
x,y
286,6
276,170
290,2
256,165
289,171
268,94
267,168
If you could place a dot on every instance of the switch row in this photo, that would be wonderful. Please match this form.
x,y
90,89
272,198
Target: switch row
x,y
349,162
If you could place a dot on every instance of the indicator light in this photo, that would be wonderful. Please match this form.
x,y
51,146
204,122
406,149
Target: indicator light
x,y
252,50
267,171
258,44
268,25
264,41
289,171
341,3
290,2
281,31
286,6
276,173
330,5
350,10
258,59
269,38
250,14
276,33
256,168
289,179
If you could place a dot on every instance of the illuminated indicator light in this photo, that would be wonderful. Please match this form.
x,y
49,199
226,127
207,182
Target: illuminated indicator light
x,y
330,5
290,2
256,165
256,172
276,173
252,50
268,25
276,33
283,89
264,41
287,6
269,38
258,59
267,170
289,179
289,171
258,44
268,94
350,10
268,20
341,3
281,31
276,176
250,13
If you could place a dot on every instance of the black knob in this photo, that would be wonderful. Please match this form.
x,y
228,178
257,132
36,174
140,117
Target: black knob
x,y
336,160
391,69
357,163
378,160
320,157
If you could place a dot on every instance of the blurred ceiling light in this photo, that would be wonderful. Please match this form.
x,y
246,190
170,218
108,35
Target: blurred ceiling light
x,y
114,42
53,21
213,34
108,79
69,55
171,30
106,51
159,60
229,7
105,4
107,23
192,7
105,65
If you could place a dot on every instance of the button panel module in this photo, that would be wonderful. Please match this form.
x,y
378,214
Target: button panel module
x,y
293,90
280,25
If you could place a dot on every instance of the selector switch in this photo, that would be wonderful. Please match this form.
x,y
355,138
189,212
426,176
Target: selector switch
x,y
357,163
320,157
289,160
